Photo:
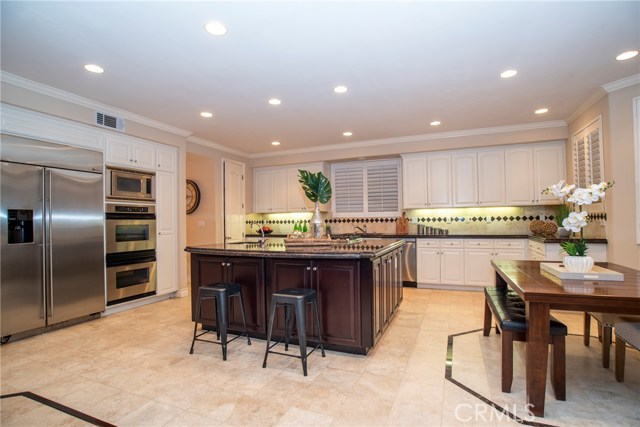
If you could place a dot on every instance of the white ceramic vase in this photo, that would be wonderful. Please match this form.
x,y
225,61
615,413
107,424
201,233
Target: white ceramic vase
x,y
578,264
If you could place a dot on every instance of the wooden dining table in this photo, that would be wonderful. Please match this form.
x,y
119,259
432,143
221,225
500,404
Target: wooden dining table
x,y
543,291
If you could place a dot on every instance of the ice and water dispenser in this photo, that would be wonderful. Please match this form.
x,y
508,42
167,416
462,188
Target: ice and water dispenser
x,y
20,224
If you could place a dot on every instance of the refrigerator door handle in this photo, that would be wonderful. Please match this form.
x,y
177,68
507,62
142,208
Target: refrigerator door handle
x,y
49,244
43,245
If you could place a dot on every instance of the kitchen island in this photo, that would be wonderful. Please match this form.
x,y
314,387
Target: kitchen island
x,y
359,285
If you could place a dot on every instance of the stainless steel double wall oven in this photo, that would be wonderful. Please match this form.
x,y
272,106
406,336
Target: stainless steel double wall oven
x,y
131,251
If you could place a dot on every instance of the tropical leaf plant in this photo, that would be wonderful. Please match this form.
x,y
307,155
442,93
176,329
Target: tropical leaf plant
x,y
575,247
316,186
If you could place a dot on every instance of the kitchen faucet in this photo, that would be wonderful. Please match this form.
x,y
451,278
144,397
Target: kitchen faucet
x,y
356,228
263,240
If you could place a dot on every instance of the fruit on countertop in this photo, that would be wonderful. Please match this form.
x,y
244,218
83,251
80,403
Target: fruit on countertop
x,y
266,229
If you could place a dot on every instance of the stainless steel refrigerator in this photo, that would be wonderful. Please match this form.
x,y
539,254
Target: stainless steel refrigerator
x,y
52,231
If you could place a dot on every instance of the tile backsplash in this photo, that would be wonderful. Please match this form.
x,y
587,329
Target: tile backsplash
x,y
495,220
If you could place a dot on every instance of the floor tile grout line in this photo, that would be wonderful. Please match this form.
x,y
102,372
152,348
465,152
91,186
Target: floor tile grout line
x,y
449,377
59,407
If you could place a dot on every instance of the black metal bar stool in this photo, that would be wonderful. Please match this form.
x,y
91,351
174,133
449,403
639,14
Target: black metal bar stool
x,y
221,292
296,298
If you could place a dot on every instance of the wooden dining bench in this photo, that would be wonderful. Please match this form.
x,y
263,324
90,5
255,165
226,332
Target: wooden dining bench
x,y
509,311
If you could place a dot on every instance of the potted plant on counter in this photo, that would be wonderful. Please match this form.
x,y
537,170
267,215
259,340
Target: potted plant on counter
x,y
317,188
577,259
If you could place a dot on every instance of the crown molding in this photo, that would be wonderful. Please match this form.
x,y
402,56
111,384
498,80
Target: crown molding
x,y
586,105
88,103
418,138
216,146
622,83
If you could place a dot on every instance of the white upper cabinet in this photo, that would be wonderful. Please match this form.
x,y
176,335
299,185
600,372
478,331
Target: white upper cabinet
x,y
491,179
465,179
426,181
270,190
166,159
276,189
414,181
135,154
130,153
438,180
532,168
549,168
520,187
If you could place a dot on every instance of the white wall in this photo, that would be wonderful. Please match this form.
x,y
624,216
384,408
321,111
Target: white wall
x,y
616,109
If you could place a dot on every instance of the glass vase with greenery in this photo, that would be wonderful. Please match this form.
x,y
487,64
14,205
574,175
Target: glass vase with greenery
x,y
317,188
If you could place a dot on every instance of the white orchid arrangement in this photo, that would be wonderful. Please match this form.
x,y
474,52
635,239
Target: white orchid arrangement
x,y
577,220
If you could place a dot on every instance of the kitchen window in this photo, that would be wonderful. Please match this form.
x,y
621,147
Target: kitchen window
x,y
367,188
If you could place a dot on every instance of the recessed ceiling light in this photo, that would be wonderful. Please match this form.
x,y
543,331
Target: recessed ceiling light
x,y
340,89
216,28
94,68
275,143
206,114
275,101
508,73
435,123
347,133
541,110
627,55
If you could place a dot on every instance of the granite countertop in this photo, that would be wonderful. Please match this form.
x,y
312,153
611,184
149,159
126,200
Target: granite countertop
x,y
540,239
555,239
421,236
275,247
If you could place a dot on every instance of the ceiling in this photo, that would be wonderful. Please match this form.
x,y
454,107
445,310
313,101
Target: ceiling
x,y
405,64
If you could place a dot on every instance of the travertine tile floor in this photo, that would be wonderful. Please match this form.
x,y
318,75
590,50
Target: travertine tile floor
x,y
134,369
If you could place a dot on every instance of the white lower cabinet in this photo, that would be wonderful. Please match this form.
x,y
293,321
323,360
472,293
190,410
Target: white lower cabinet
x,y
166,265
540,251
440,261
463,261
478,254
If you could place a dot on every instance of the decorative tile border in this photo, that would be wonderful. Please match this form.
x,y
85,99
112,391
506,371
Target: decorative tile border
x,y
599,216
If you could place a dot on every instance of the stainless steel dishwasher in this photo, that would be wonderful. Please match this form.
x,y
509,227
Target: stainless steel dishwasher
x,y
409,262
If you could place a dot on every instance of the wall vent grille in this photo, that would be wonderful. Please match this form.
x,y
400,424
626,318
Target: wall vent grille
x,y
110,122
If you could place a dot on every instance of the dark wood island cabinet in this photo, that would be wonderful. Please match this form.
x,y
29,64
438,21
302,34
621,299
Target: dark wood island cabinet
x,y
359,286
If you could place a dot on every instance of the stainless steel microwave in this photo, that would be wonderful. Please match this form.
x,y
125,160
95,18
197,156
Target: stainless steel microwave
x,y
130,185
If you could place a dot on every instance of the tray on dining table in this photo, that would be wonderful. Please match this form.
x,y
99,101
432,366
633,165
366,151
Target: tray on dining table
x,y
597,273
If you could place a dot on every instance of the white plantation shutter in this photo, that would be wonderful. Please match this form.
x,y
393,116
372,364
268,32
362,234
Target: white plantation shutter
x,y
348,188
371,187
383,187
588,163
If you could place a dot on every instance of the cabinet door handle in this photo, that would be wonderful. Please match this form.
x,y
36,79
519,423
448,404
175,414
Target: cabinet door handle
x,y
308,268
315,268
